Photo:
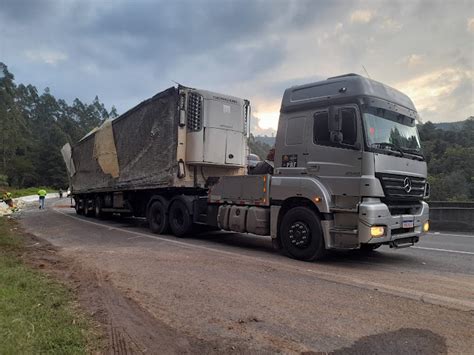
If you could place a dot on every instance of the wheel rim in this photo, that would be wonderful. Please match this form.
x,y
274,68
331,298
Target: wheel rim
x,y
299,234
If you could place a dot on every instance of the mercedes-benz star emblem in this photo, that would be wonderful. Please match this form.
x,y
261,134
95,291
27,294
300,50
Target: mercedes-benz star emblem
x,y
407,185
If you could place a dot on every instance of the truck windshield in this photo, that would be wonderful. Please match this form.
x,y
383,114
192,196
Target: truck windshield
x,y
390,131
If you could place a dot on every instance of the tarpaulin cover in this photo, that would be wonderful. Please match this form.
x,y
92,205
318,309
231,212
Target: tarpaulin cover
x,y
66,152
135,151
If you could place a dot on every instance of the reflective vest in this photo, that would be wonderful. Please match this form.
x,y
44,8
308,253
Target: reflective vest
x,y
42,193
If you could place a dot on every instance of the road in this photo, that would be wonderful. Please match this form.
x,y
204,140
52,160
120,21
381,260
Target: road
x,y
233,290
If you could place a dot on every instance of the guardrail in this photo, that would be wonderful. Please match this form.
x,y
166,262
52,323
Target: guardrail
x,y
452,216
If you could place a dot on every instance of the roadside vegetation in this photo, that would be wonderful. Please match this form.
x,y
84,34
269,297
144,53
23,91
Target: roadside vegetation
x,y
37,314
26,191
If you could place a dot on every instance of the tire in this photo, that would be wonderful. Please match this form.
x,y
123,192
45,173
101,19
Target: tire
x,y
79,210
368,248
158,217
98,213
88,212
180,219
302,235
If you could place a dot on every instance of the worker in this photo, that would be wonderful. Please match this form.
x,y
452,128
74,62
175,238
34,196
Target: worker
x,y
42,195
7,198
266,166
60,193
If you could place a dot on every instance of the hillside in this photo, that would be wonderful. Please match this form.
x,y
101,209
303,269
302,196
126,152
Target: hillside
x,y
451,126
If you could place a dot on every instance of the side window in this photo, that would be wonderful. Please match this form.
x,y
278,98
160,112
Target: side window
x,y
321,128
349,126
295,130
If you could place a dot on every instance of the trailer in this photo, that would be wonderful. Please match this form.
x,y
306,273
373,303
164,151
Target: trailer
x,y
349,172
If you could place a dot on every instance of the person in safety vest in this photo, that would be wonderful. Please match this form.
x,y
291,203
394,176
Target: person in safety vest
x,y
42,195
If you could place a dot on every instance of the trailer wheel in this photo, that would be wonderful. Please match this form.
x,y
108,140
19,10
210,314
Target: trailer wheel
x,y
157,218
98,213
77,207
302,235
179,218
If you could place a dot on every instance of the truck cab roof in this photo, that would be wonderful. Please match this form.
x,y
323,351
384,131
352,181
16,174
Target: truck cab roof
x,y
340,89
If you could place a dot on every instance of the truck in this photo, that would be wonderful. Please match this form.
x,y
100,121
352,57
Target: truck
x,y
349,172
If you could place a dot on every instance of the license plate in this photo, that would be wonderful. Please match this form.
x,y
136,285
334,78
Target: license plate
x,y
407,224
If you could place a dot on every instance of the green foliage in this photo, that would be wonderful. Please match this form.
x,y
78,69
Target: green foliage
x,y
37,315
3,180
450,158
35,126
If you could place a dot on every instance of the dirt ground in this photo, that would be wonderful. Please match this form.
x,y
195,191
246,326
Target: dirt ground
x,y
124,326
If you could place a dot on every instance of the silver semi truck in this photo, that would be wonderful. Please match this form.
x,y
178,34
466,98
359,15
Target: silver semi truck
x,y
349,172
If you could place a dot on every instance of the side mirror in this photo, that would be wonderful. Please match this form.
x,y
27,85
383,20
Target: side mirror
x,y
336,136
335,125
335,122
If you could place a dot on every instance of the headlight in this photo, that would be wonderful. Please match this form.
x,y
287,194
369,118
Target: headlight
x,y
377,231
426,226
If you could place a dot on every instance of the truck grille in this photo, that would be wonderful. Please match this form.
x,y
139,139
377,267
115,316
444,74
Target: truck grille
x,y
402,187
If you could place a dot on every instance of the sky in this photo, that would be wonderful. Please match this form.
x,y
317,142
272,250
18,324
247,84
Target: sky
x,y
126,51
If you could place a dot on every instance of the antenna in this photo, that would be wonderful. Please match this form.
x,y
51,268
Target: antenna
x,y
366,72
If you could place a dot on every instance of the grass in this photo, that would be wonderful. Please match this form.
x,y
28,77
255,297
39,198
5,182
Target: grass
x,y
27,191
37,314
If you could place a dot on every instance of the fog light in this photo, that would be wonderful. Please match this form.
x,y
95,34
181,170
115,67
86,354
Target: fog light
x,y
426,226
377,231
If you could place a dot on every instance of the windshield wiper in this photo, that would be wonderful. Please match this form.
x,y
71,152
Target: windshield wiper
x,y
414,151
382,145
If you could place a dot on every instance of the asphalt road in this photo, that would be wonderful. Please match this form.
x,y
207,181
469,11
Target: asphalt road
x,y
236,289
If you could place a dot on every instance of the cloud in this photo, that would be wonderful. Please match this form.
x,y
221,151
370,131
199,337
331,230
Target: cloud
x,y
46,56
442,95
470,25
413,60
362,16
126,51
388,24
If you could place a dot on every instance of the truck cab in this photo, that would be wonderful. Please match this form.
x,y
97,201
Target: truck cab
x,y
349,147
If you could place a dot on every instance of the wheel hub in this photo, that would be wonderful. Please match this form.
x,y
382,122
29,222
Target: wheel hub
x,y
300,234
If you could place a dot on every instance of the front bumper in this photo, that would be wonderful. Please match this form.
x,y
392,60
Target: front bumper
x,y
373,212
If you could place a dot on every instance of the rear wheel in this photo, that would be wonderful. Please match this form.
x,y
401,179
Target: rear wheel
x,y
98,213
78,206
302,235
89,209
158,218
179,218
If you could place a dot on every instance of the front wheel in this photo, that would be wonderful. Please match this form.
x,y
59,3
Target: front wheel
x,y
302,235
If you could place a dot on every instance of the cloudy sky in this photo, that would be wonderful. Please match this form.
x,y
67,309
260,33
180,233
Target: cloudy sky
x,y
125,51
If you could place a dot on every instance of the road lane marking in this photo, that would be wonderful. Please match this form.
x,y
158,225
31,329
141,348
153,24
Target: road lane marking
x,y
445,250
425,297
439,234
